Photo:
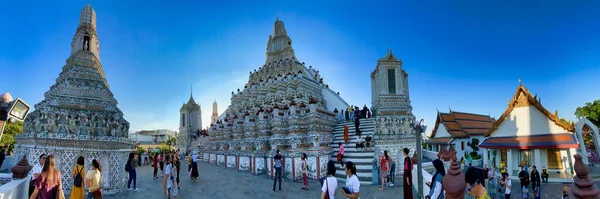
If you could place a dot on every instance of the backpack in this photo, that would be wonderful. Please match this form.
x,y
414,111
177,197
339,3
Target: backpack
x,y
127,167
78,179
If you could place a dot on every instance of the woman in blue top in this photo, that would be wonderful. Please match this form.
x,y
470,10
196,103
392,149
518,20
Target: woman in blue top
x,y
437,188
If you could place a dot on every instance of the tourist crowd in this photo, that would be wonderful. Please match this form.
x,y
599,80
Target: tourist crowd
x,y
46,181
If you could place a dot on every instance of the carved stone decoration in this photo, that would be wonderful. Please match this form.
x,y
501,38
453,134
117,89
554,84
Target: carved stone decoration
x,y
21,169
583,186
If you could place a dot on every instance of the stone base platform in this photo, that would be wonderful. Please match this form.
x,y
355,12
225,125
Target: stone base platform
x,y
261,162
111,160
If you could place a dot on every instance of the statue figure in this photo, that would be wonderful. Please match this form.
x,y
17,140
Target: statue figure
x,y
37,126
72,125
51,124
92,127
83,123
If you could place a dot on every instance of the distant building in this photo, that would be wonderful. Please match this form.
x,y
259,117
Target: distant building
x,y
190,121
146,137
215,113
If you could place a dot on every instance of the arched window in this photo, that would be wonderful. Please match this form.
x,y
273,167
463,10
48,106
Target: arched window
x,y
86,43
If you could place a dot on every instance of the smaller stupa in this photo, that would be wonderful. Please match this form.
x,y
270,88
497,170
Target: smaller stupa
x,y
454,181
583,186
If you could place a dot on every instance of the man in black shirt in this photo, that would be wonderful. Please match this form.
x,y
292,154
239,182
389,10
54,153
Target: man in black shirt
x,y
523,177
535,178
277,164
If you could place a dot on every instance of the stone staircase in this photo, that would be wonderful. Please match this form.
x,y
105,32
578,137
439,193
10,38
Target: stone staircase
x,y
199,145
363,160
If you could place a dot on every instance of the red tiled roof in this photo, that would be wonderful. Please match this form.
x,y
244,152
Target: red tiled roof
x,y
546,141
459,124
439,140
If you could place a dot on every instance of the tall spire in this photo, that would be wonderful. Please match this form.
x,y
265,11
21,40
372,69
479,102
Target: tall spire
x,y
86,37
279,46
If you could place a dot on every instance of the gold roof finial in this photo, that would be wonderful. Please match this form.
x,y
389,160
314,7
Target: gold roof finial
x,y
520,83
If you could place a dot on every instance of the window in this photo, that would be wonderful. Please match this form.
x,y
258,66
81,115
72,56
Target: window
x,y
462,146
183,119
86,43
392,81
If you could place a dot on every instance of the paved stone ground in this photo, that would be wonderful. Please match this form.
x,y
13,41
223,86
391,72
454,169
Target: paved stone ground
x,y
221,183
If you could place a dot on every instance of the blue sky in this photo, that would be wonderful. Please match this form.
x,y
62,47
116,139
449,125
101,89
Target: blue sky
x,y
464,55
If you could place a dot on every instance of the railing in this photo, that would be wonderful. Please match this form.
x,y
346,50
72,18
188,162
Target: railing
x,y
426,178
15,189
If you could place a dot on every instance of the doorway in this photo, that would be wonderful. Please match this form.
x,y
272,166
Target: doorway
x,y
554,159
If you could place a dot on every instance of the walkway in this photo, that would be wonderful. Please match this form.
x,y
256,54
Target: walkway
x,y
220,183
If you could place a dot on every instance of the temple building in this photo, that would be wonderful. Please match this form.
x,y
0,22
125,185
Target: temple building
x,y
528,133
392,109
284,105
454,130
190,121
79,115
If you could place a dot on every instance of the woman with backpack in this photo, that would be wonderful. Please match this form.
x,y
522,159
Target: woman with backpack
x,y
130,168
78,174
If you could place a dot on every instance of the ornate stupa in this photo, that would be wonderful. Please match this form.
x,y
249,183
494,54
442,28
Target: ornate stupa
x,y
79,115
285,105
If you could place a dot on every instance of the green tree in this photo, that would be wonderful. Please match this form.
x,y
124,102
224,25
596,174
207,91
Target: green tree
x,y
474,144
590,111
10,131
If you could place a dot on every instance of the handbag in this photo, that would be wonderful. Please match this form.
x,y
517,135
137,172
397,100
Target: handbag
x,y
59,193
327,189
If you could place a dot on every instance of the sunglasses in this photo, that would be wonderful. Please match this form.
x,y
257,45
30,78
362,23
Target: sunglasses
x,y
473,185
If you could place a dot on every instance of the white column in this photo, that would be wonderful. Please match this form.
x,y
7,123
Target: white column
x,y
485,157
569,161
509,162
537,158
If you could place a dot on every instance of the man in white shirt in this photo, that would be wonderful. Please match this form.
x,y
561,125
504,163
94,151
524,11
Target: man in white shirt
x,y
168,182
36,171
507,184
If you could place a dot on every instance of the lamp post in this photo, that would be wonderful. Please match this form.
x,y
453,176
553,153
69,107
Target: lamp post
x,y
419,129
15,109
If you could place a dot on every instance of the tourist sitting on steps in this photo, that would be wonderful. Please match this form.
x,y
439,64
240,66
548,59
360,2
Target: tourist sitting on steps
x,y
360,144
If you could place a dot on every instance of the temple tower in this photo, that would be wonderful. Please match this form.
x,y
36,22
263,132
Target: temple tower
x,y
215,113
79,115
190,119
391,108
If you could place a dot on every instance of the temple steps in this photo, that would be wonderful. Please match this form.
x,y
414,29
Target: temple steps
x,y
362,159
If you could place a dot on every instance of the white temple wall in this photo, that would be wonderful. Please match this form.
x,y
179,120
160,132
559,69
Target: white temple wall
x,y
526,121
333,100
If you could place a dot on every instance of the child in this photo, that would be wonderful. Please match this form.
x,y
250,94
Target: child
x,y
525,191
538,193
565,193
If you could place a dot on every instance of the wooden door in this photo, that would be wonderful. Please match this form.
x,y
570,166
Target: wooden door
x,y
554,159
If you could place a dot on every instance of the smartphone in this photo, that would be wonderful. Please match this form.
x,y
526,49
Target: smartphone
x,y
346,190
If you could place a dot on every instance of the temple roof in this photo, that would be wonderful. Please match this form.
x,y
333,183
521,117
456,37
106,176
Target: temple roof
x,y
462,125
524,98
390,57
554,141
